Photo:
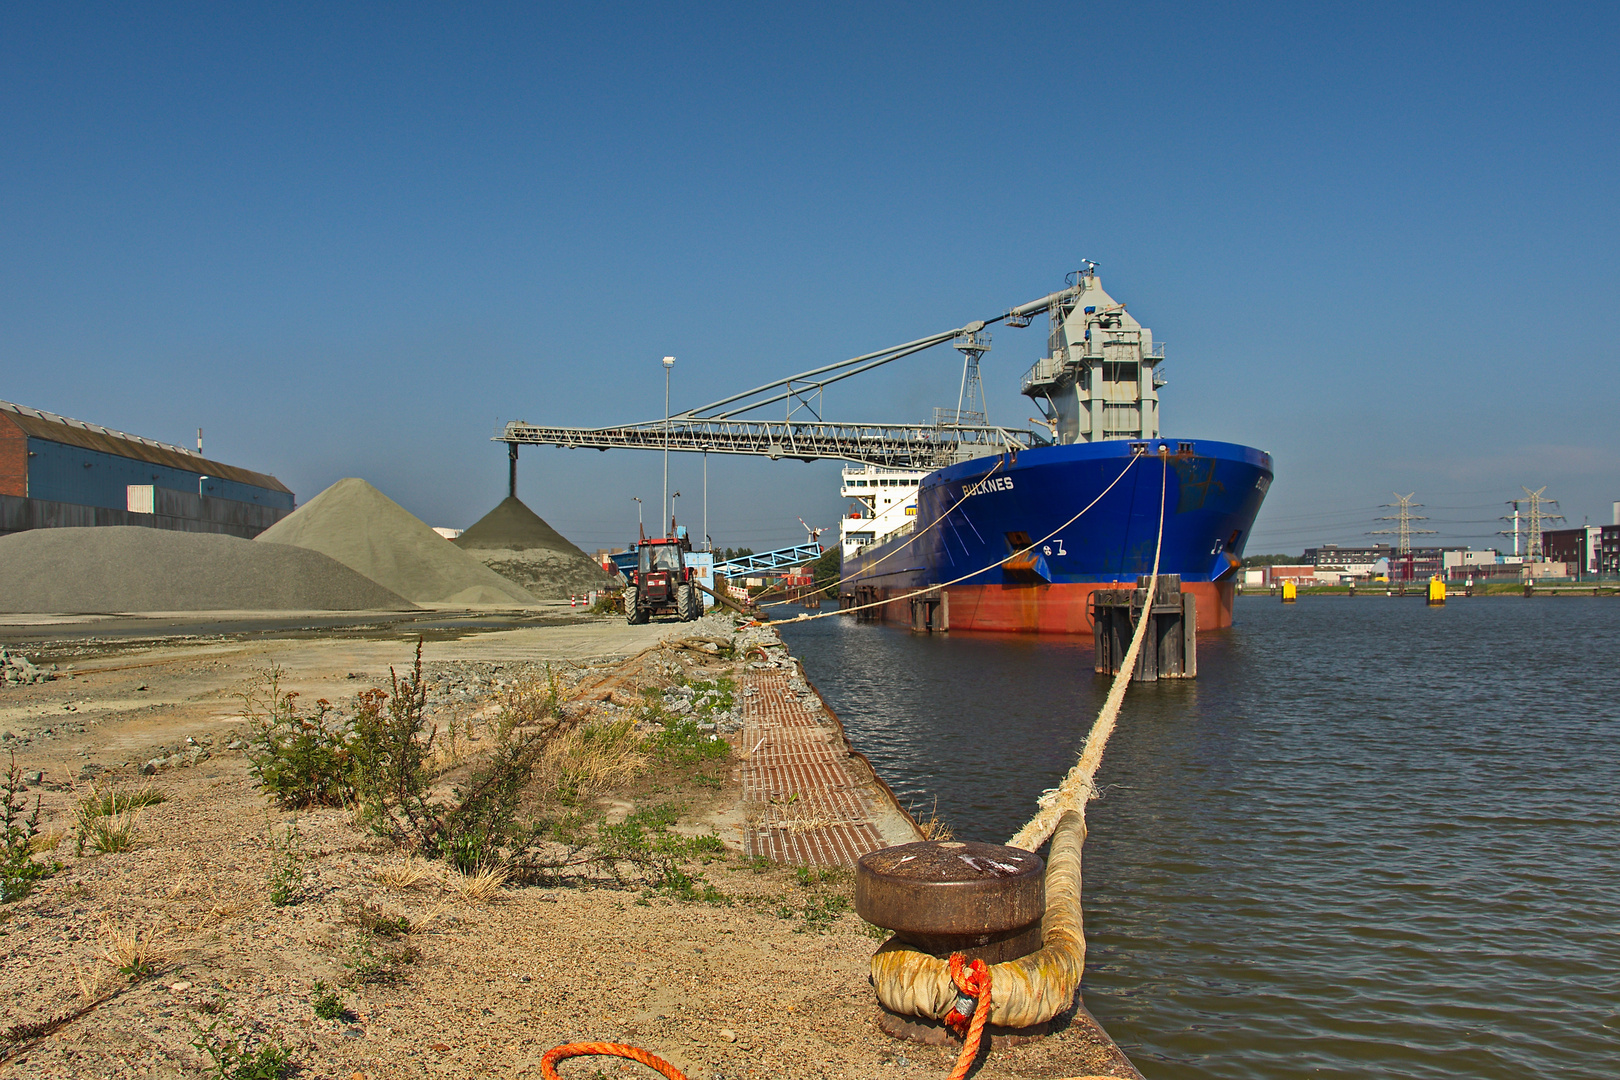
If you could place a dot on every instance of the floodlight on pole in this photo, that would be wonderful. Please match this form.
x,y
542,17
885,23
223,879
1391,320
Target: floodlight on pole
x,y
669,362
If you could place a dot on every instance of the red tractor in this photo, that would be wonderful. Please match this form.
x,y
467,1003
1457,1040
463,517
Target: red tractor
x,y
662,583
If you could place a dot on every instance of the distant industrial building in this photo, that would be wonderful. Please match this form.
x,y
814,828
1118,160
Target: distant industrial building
x,y
56,472
1588,550
1354,561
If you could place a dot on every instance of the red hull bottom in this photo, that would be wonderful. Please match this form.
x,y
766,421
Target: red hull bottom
x,y
1046,609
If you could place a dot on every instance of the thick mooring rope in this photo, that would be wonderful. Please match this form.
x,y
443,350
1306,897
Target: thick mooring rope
x,y
1079,786
1035,988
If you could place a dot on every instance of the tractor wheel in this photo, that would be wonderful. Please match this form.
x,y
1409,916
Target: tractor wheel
x,y
634,613
686,603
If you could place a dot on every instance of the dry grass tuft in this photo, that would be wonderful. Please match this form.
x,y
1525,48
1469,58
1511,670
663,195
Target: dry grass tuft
x,y
46,841
481,886
402,874
429,917
135,951
111,832
592,758
94,981
810,822
934,827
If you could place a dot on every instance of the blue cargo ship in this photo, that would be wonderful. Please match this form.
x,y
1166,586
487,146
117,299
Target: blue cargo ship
x,y
999,538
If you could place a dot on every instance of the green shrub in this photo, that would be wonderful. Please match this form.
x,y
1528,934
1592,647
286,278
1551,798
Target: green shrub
x,y
18,827
394,779
300,759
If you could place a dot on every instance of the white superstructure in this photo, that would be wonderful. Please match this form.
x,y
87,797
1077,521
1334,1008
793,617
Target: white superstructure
x,y
885,503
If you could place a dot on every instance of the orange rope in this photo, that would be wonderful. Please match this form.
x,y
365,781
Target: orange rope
x,y
548,1064
975,983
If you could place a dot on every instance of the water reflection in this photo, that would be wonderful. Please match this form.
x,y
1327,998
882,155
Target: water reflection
x,y
1371,839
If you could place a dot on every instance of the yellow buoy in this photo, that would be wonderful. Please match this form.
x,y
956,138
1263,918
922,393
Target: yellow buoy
x,y
1437,592
1290,592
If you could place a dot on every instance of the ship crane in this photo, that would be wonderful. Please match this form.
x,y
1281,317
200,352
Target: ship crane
x,y
732,426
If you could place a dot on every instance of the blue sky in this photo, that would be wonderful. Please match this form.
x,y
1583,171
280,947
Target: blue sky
x,y
352,240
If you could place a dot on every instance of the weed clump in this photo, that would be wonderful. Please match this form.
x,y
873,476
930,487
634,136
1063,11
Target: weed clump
x,y
300,759
233,1057
327,1002
19,827
644,841
288,875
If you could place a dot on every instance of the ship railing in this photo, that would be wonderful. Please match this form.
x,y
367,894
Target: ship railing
x,y
1044,370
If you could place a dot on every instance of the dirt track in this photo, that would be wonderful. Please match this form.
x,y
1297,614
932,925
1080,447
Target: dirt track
x,y
771,983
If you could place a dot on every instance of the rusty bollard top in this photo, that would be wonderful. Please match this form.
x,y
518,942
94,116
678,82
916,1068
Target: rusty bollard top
x,y
949,887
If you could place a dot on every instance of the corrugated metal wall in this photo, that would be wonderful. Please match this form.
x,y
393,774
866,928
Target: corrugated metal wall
x,y
58,473
177,510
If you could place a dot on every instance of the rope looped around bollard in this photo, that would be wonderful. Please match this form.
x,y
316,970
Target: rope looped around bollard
x,y
972,981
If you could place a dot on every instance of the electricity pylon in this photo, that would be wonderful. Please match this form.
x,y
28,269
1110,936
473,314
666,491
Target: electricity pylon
x,y
1537,516
1403,507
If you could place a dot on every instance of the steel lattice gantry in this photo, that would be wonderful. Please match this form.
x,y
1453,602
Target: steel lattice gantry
x,y
719,428
895,446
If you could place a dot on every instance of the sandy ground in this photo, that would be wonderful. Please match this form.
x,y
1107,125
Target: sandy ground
x,y
771,982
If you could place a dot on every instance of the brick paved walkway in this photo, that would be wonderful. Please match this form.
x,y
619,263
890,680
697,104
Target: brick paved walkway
x,y
805,795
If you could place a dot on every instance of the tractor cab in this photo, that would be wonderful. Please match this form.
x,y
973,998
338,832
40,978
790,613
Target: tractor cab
x,y
662,582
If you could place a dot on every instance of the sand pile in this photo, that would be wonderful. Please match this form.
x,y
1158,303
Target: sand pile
x,y
517,544
367,531
130,568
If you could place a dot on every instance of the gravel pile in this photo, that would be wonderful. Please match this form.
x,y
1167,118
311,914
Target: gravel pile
x,y
517,544
368,532
130,568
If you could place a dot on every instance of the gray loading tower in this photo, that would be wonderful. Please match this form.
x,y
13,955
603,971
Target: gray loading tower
x,y
1100,378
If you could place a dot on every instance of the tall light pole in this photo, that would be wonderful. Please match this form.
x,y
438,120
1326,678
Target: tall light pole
x,y
669,362
706,544
672,498
640,529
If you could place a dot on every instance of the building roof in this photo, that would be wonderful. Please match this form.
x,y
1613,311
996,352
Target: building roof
x,y
37,424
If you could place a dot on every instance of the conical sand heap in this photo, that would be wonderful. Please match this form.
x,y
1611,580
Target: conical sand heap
x,y
516,543
133,568
367,531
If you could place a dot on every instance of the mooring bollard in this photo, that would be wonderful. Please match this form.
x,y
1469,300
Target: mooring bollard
x,y
984,901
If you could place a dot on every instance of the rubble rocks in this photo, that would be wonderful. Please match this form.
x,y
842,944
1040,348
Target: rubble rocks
x,y
15,670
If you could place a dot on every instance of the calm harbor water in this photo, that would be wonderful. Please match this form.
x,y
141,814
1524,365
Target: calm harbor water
x,y
1371,840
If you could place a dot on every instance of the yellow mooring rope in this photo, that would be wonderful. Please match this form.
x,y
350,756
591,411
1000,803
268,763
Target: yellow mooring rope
x,y
1079,785
1035,988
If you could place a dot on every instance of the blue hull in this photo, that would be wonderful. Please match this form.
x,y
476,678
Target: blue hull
x,y
1212,493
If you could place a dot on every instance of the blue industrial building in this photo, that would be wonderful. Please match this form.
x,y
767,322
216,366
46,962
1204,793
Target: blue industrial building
x,y
55,471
